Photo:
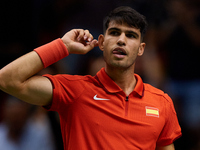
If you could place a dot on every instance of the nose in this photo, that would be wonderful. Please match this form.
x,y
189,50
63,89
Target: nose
x,y
122,40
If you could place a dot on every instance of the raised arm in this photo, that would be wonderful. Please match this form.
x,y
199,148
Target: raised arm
x,y
17,78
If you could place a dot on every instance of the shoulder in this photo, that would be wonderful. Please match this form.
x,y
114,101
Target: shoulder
x,y
72,81
160,95
156,92
152,89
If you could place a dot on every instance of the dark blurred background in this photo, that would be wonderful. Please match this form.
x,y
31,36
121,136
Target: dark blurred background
x,y
171,60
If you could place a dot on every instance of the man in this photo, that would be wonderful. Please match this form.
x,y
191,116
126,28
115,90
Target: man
x,y
112,110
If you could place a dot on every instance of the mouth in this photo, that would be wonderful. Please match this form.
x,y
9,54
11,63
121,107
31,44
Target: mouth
x,y
119,51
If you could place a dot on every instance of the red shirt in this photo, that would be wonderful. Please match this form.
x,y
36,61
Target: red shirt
x,y
96,114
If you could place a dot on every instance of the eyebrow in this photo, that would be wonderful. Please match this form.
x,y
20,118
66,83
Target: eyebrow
x,y
127,31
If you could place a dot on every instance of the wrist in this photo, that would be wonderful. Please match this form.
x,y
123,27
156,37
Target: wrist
x,y
65,45
52,52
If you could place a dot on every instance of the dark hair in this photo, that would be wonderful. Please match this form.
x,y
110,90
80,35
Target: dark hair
x,y
128,16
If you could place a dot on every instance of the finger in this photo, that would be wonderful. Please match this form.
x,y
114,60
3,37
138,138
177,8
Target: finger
x,y
90,45
94,43
80,34
87,36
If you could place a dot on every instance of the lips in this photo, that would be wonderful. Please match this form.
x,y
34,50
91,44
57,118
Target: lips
x,y
119,51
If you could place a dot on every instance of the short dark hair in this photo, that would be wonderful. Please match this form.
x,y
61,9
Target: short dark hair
x,y
128,16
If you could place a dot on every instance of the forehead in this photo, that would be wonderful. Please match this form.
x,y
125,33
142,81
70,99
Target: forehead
x,y
123,27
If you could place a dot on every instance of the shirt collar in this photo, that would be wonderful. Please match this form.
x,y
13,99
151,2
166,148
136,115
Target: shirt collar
x,y
112,87
139,88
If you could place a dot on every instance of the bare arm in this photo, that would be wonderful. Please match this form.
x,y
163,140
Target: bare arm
x,y
168,147
17,78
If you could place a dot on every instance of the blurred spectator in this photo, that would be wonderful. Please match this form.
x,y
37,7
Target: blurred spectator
x,y
20,131
179,45
95,64
3,97
149,65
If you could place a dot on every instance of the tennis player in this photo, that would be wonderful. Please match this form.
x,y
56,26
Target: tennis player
x,y
113,110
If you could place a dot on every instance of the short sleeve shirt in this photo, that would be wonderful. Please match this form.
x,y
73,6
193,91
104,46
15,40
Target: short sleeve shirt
x,y
95,113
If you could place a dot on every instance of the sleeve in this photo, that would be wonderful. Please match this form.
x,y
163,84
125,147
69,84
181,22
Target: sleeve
x,y
171,130
66,89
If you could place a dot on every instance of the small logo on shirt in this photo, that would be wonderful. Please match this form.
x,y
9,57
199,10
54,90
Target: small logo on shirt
x,y
97,98
152,111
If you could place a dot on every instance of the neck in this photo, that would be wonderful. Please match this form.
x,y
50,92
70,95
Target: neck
x,y
124,78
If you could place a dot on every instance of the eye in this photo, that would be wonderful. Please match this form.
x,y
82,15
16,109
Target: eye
x,y
130,35
114,33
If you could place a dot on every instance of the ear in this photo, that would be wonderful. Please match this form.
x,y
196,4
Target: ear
x,y
101,42
141,49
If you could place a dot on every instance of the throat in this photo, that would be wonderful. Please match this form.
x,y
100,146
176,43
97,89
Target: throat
x,y
127,84
127,87
124,78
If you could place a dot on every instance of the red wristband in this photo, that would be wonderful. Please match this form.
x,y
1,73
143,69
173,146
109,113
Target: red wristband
x,y
52,52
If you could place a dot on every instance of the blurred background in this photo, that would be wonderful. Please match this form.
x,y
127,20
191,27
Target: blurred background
x,y
171,60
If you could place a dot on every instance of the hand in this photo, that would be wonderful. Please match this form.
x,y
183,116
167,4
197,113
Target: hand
x,y
79,41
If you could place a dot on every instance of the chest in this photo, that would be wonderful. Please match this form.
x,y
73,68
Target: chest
x,y
115,115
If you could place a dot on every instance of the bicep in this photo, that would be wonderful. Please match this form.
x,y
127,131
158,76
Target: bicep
x,y
37,90
168,147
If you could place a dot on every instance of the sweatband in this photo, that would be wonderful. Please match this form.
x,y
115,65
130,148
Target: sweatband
x,y
52,52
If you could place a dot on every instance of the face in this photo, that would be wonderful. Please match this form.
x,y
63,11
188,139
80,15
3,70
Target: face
x,y
121,45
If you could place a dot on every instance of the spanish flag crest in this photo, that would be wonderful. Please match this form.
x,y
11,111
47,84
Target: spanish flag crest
x,y
152,111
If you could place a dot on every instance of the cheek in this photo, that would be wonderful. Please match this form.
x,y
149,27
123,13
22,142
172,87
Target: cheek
x,y
134,50
105,54
108,41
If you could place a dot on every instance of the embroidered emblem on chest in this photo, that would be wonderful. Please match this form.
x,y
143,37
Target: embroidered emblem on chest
x,y
152,111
